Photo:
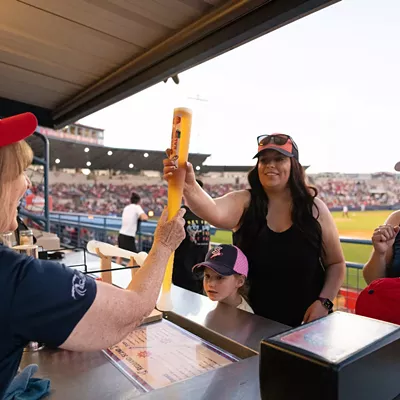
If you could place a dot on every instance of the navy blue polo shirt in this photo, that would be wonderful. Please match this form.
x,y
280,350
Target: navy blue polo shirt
x,y
40,301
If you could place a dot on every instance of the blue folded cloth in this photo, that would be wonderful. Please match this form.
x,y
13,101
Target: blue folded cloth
x,y
24,387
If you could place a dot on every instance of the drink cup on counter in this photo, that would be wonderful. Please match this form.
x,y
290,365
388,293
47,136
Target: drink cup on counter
x,y
26,237
7,239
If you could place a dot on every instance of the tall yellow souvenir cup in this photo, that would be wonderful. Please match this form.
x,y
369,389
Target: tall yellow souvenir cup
x,y
181,127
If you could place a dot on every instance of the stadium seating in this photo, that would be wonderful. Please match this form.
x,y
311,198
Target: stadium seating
x,y
107,196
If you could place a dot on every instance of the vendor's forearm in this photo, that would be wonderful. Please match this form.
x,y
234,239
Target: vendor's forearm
x,y
115,312
147,281
335,274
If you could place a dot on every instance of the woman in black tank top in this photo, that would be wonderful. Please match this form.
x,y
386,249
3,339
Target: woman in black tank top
x,y
285,273
296,264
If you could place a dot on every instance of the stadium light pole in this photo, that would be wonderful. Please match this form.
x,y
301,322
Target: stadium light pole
x,y
198,98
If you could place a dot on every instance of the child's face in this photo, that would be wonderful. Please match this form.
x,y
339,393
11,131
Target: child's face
x,y
220,287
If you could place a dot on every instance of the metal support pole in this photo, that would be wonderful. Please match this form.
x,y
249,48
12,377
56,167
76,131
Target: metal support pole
x,y
45,163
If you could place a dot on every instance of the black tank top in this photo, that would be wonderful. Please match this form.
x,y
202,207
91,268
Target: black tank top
x,y
286,274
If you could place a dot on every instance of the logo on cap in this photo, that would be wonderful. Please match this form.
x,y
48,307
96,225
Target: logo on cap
x,y
217,252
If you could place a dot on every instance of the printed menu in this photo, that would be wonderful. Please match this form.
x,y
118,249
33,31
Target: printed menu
x,y
160,354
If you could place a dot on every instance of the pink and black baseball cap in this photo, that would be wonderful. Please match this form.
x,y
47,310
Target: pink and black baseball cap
x,y
381,300
225,260
280,142
16,128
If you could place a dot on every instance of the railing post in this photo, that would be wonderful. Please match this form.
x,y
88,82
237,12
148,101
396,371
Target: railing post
x,y
140,246
78,239
46,182
59,226
45,163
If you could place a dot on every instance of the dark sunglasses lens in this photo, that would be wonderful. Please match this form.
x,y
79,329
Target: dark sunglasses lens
x,y
264,140
280,140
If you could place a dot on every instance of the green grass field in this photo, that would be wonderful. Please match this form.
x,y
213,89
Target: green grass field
x,y
359,225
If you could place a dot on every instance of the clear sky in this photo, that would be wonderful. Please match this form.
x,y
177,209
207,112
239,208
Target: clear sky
x,y
330,80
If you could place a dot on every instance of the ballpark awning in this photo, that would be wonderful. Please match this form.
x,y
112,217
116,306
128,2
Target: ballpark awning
x,y
77,155
65,59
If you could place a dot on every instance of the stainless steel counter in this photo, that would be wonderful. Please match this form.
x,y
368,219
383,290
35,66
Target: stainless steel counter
x,y
80,375
92,376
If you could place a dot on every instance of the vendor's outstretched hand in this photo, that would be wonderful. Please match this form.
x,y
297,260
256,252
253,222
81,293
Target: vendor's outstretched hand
x,y
170,233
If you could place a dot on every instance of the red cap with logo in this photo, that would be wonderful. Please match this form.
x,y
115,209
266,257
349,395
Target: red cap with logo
x,y
381,300
16,128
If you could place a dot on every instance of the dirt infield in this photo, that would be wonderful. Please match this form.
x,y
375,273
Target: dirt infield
x,y
355,234
342,219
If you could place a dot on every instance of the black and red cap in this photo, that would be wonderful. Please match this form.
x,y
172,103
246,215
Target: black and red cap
x,y
282,143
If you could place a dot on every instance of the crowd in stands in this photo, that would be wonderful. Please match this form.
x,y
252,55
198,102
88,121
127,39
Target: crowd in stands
x,y
353,193
106,199
110,199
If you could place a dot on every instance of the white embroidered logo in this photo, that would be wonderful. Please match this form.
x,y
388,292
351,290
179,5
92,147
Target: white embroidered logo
x,y
217,252
78,285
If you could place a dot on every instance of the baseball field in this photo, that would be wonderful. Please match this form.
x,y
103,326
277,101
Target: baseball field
x,y
357,225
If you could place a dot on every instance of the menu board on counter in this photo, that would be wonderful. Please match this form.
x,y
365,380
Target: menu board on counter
x,y
160,354
338,336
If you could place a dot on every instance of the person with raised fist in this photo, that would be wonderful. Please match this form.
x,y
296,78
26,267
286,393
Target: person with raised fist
x,y
385,256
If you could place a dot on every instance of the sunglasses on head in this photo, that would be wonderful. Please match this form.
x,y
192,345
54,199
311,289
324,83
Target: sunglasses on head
x,y
279,140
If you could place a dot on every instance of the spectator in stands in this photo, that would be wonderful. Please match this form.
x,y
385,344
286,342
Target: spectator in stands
x,y
132,214
385,257
296,263
224,273
46,302
192,250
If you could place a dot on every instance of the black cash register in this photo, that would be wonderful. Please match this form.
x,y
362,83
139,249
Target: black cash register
x,y
339,357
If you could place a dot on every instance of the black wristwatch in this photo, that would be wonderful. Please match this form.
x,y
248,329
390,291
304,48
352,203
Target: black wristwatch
x,y
326,303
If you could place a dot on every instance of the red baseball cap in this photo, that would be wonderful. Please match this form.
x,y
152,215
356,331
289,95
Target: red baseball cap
x,y
381,300
284,144
16,128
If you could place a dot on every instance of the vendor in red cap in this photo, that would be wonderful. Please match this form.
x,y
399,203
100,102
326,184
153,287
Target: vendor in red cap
x,y
46,302
296,263
385,256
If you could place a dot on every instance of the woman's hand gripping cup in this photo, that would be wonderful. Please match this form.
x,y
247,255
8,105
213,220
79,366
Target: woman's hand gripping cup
x,y
171,167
